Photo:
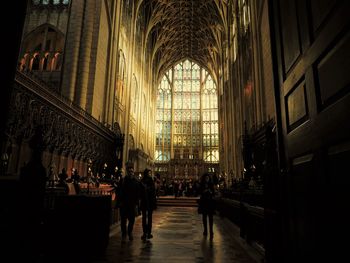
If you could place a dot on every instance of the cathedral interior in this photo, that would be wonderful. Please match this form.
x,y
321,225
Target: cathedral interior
x,y
254,93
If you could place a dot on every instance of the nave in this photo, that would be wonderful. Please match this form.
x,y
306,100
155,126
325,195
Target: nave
x,y
254,92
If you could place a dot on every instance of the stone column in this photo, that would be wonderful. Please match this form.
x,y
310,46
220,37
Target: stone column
x,y
72,48
85,56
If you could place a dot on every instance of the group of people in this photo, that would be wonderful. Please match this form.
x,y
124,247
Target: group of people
x,y
130,194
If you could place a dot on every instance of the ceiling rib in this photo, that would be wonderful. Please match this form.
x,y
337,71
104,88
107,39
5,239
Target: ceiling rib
x,y
182,29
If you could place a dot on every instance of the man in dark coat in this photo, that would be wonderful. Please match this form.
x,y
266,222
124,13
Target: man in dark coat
x,y
148,203
129,198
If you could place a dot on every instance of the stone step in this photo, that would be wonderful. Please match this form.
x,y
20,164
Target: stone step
x,y
177,202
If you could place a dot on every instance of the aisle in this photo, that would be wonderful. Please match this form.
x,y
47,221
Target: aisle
x,y
178,238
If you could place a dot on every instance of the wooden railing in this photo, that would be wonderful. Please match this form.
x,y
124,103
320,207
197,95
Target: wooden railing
x,y
245,209
250,196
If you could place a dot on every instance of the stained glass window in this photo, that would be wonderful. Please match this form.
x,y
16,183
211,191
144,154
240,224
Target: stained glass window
x,y
163,120
210,120
187,114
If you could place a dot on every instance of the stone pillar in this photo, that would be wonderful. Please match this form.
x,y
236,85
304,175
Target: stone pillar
x,y
83,74
72,48
110,118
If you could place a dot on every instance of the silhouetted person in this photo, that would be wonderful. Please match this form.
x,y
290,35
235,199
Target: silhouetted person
x,y
176,188
148,203
33,184
52,176
62,180
129,198
76,180
207,203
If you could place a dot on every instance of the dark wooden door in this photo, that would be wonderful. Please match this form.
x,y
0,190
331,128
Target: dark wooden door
x,y
311,51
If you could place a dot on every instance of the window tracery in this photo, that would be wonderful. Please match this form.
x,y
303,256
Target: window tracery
x,y
50,2
187,112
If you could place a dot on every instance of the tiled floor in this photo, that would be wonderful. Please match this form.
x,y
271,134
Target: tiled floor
x,y
178,238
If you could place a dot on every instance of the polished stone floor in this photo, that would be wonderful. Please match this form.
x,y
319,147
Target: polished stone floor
x,y
178,238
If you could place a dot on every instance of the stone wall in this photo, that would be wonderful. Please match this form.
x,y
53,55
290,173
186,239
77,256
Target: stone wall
x,y
267,63
57,17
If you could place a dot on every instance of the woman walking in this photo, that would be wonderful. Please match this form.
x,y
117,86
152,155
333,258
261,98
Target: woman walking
x,y
207,204
148,203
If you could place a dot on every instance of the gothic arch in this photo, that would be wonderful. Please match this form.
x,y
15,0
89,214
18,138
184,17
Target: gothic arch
x,y
42,49
34,39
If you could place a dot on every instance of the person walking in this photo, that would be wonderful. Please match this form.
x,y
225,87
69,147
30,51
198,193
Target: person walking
x,y
207,204
129,199
148,203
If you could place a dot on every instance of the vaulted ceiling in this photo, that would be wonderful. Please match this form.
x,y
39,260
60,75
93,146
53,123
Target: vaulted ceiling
x,y
179,29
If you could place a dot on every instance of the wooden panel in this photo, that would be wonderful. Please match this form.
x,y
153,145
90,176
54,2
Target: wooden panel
x,y
319,11
302,208
339,157
296,106
338,195
290,34
315,187
332,72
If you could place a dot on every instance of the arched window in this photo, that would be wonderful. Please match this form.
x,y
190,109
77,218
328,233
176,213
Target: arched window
x,y
163,119
56,62
245,11
45,62
47,2
35,62
23,62
187,112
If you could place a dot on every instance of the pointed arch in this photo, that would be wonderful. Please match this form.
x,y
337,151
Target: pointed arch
x,y
45,37
121,77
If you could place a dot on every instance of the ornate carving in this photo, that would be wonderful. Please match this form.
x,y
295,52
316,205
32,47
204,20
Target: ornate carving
x,y
66,129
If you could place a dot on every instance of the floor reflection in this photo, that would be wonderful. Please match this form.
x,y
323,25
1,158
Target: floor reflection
x,y
178,237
